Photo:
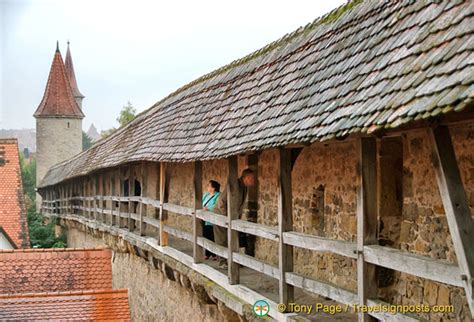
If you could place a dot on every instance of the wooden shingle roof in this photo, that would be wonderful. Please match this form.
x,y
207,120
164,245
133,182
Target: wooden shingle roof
x,y
364,67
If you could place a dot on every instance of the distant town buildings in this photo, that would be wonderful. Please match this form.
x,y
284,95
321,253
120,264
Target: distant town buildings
x,y
93,133
26,138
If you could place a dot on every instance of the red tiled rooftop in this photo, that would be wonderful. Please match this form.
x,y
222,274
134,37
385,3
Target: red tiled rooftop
x,y
12,203
58,99
96,305
53,270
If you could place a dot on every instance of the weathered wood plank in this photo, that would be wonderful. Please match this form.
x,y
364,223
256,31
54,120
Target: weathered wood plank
x,y
152,222
453,196
232,213
321,244
257,265
179,210
178,233
163,212
321,288
285,223
198,251
413,264
256,229
131,192
213,218
143,205
367,282
212,247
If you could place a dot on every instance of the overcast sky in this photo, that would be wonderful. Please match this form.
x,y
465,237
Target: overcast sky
x,y
137,51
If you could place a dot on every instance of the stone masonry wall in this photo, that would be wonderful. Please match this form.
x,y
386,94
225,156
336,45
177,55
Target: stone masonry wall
x,y
153,296
57,139
325,182
324,204
423,227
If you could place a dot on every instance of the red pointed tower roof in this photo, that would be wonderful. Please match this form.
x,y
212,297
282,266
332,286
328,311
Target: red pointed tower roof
x,y
70,73
58,99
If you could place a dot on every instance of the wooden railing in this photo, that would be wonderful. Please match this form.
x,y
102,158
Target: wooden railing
x,y
413,264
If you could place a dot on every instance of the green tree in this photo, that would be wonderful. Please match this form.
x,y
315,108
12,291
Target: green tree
x,y
41,235
86,141
28,175
106,133
127,114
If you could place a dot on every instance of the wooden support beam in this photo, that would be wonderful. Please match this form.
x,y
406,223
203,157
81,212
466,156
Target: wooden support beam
x,y
366,222
252,204
121,207
163,199
143,207
131,193
285,223
95,184
100,192
455,204
232,213
115,191
198,251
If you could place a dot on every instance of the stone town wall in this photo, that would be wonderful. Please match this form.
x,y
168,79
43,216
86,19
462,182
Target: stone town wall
x,y
324,187
154,296
324,192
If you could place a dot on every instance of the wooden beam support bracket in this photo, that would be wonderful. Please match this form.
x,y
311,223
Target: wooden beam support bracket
x,y
455,204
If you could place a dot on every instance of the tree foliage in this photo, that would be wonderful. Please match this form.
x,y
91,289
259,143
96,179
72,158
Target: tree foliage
x,y
41,235
127,114
86,141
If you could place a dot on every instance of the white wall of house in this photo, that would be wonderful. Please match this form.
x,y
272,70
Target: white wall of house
x,y
4,243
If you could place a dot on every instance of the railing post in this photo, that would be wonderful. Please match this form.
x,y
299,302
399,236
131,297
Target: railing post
x,y
115,192
131,193
83,202
122,194
198,251
89,195
366,221
163,197
143,207
69,198
285,223
94,196
100,179
232,213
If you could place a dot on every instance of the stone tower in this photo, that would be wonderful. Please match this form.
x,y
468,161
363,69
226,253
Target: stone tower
x,y
58,119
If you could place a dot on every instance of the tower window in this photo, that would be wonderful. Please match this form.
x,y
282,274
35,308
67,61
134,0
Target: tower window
x,y
68,125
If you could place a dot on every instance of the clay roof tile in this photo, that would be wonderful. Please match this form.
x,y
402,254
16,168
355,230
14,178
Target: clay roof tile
x,y
58,99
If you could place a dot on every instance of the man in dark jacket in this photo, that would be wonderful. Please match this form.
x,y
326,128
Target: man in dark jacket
x,y
247,179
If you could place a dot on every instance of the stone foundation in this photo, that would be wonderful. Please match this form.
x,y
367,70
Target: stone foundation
x,y
158,290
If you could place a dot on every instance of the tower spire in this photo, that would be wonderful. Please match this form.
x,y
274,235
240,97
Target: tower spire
x,y
58,99
72,77
57,46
